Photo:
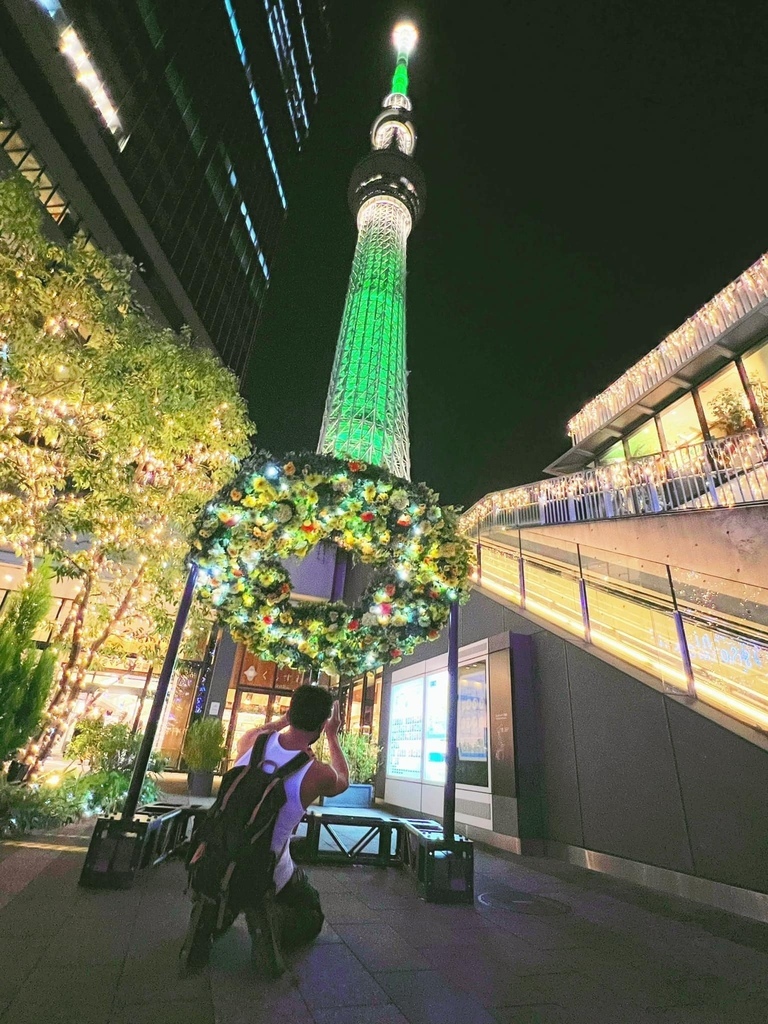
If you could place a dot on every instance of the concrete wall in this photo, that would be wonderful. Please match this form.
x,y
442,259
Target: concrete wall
x,y
607,763
732,543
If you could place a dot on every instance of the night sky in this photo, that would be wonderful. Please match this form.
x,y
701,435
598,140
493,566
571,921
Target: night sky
x,y
595,173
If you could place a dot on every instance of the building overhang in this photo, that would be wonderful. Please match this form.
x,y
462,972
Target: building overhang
x,y
733,341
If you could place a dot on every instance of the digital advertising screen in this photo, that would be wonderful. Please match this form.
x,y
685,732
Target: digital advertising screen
x,y
405,730
472,726
435,727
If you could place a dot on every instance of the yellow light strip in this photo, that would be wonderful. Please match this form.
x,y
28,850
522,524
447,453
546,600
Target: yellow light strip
x,y
88,79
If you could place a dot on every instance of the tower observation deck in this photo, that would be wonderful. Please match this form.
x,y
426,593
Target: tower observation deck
x,y
366,412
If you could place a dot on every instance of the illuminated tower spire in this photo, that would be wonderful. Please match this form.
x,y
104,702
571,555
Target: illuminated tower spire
x,y
366,412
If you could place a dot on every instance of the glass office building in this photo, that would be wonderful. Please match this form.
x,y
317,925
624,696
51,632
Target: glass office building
x,y
168,132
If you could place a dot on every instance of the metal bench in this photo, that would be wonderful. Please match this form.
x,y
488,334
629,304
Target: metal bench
x,y
120,848
367,837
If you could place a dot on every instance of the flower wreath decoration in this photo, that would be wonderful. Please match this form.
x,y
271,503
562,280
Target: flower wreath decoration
x,y
279,509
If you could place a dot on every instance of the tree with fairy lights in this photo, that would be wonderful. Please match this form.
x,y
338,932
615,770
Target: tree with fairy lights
x,y
113,433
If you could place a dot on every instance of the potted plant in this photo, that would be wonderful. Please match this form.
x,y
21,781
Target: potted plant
x,y
362,756
204,748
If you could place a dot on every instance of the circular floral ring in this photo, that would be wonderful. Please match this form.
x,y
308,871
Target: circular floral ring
x,y
275,510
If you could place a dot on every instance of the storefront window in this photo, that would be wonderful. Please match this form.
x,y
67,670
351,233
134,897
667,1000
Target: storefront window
x,y
372,707
614,454
644,441
726,406
680,424
756,365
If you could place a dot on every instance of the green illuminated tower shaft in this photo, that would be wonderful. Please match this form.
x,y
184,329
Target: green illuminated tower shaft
x,y
366,412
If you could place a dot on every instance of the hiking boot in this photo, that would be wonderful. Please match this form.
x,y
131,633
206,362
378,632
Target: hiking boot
x,y
264,927
196,949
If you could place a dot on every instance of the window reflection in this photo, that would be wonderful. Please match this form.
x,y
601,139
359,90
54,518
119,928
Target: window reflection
x,y
644,441
756,365
725,403
680,424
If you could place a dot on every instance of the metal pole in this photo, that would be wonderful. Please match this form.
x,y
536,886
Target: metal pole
x,y
449,796
163,681
142,698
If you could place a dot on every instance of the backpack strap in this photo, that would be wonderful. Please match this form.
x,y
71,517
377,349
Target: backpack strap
x,y
258,748
293,765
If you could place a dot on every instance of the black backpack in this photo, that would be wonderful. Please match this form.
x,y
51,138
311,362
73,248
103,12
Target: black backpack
x,y
230,860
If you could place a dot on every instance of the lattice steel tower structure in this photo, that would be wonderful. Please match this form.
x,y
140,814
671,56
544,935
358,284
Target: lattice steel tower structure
x,y
366,412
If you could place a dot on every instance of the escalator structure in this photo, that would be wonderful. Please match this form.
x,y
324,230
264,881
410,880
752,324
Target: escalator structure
x,y
701,636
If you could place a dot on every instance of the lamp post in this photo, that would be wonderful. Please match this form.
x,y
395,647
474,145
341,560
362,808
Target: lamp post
x,y
163,681
449,793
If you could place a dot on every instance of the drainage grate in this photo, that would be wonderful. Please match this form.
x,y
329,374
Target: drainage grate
x,y
521,902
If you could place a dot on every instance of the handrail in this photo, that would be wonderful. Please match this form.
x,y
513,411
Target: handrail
x,y
719,473
646,613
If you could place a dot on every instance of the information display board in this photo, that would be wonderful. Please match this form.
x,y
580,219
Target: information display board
x,y
435,727
472,726
406,720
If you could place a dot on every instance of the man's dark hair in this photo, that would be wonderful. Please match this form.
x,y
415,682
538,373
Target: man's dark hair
x,y
310,706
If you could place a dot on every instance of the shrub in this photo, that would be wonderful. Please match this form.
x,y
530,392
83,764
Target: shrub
x,y
26,674
204,745
108,748
361,752
24,807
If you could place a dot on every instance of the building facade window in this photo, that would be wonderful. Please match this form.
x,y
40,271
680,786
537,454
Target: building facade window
x,y
679,424
756,366
725,403
258,692
613,454
644,441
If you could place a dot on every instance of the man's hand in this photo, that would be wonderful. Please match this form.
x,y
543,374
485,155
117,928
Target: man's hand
x,y
333,723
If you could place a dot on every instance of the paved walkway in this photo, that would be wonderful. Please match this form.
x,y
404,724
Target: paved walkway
x,y
545,944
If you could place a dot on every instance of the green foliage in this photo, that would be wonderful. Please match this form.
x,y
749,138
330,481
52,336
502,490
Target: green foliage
x,y
362,755
104,792
204,745
25,807
113,431
26,673
730,412
108,748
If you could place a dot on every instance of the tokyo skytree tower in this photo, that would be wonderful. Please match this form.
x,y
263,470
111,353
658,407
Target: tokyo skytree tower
x,y
366,412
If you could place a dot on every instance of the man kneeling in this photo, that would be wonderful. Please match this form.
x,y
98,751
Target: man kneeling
x,y
291,916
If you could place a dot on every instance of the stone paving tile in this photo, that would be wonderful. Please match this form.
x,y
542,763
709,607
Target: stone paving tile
x,y
548,1013
52,995
330,976
361,1015
425,998
743,1013
381,949
662,988
344,908
161,1012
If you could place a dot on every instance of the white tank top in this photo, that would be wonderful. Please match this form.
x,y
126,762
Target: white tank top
x,y
291,813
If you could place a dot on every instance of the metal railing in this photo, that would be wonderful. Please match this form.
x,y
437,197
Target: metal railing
x,y
720,473
703,636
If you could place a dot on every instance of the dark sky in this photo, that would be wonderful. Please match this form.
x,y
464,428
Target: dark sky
x,y
595,171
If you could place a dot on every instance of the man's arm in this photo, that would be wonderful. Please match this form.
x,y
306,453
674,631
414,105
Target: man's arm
x,y
336,777
247,740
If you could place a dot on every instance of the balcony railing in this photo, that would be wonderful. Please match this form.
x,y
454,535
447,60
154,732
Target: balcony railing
x,y
721,473
698,333
702,636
